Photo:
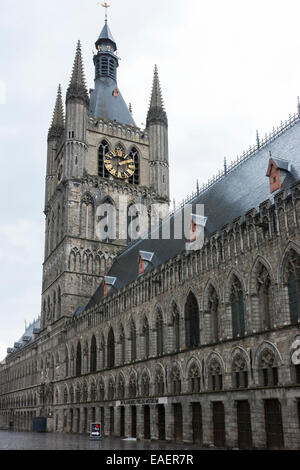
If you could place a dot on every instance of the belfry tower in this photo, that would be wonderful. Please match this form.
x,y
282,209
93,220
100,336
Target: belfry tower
x,y
97,157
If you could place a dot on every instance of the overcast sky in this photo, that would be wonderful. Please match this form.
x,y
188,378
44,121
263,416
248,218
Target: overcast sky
x,y
226,69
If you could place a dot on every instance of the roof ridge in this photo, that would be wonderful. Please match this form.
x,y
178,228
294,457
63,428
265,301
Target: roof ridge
x,y
260,144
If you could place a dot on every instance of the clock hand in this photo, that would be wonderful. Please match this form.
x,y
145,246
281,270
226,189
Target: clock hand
x,y
125,162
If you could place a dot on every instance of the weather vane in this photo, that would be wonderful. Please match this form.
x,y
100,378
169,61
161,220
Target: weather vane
x,y
106,6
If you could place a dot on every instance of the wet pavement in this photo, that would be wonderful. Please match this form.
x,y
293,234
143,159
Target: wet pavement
x,y
54,441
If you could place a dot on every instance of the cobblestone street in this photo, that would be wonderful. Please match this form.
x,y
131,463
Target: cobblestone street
x,y
54,441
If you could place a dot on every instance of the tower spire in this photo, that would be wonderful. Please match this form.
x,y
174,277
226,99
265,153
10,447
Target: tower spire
x,y
156,110
58,121
77,87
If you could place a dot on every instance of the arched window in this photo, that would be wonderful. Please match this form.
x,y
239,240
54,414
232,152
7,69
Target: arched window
x,y
146,338
101,390
78,360
103,150
66,395
93,391
111,389
159,382
268,369
159,334
87,216
176,380
239,372
134,155
121,387
213,306
191,317
93,355
263,283
111,349
145,386
122,345
85,392
78,394
72,395
132,386
176,328
293,284
237,308
215,376
194,379
133,340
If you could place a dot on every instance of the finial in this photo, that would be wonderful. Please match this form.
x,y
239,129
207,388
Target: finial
x,y
198,189
225,165
106,6
130,108
257,139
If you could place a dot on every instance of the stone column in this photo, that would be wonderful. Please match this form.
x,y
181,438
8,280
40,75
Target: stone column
x,y
169,422
207,423
187,421
107,421
117,420
139,422
127,421
154,434
231,432
258,423
290,423
81,427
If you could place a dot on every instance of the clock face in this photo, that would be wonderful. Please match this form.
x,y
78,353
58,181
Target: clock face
x,y
119,164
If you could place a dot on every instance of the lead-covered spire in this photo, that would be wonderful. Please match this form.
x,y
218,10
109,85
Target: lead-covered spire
x,y
58,120
77,88
156,111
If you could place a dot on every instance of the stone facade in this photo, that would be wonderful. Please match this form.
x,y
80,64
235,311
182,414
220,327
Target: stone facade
x,y
198,349
153,389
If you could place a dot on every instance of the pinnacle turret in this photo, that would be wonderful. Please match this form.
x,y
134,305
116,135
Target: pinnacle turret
x,y
58,120
156,111
77,88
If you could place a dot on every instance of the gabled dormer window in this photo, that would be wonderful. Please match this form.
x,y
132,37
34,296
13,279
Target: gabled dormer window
x,y
108,284
277,171
144,259
198,222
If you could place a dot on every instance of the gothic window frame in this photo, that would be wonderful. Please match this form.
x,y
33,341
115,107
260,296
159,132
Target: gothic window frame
x,y
134,154
111,348
292,280
93,355
238,311
192,321
103,149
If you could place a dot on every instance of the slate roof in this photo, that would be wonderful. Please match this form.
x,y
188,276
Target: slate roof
x,y
243,188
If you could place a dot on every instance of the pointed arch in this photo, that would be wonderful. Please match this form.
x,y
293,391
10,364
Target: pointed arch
x,y
237,303
211,305
261,295
87,216
93,355
111,348
132,337
78,359
102,151
134,155
191,318
159,332
291,283
175,322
